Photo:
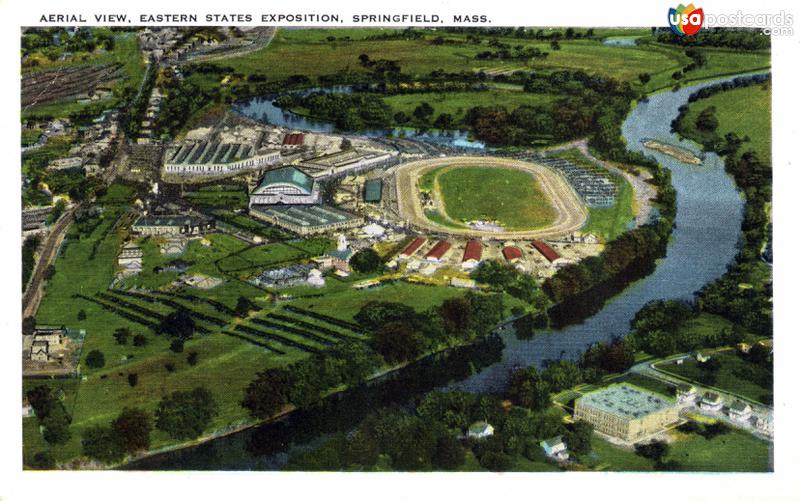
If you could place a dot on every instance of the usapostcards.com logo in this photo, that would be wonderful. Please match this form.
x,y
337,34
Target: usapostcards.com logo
x,y
685,20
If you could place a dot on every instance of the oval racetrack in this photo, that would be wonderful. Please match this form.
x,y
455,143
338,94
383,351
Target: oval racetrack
x,y
571,213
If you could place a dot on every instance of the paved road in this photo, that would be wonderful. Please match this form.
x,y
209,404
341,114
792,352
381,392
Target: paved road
x,y
571,213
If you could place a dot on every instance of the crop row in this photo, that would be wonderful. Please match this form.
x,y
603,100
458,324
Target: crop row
x,y
293,330
120,312
324,318
308,325
277,338
256,342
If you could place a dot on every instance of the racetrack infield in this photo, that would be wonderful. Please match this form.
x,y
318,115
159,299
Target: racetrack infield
x,y
570,213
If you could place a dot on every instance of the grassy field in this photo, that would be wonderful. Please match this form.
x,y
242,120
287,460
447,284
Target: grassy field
x,y
308,52
510,197
744,111
731,452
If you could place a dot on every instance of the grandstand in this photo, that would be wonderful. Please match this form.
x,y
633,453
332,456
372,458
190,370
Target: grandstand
x,y
593,187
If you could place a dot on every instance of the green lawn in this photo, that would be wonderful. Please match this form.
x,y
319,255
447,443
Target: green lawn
x,y
737,451
510,197
745,111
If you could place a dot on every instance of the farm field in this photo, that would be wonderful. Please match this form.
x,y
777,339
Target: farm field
x,y
298,52
510,197
744,111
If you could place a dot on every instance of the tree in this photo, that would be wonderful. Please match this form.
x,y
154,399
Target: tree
x,y
579,438
176,346
358,362
423,112
397,341
496,461
122,334
81,315
133,379
191,359
56,426
43,460
244,306
102,444
443,121
653,450
95,359
178,324
366,261
527,389
185,414
28,326
42,400
268,394
644,78
139,340
707,120
449,454
555,45
375,314
132,429
345,145
457,316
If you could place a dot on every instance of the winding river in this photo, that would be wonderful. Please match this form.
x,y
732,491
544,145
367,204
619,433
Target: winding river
x,y
709,215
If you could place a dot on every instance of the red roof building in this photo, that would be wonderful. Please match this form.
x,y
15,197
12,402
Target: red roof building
x,y
438,250
293,139
413,246
472,251
512,254
545,250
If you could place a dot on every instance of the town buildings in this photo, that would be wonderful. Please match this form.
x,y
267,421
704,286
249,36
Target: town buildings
x,y
286,186
177,224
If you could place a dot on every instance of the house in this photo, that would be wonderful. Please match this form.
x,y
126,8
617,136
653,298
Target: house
x,y
130,259
555,448
173,245
685,393
292,141
40,351
711,402
373,189
472,255
27,410
438,251
286,186
480,429
743,348
740,411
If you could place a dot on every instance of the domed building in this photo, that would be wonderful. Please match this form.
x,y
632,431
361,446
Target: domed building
x,y
285,186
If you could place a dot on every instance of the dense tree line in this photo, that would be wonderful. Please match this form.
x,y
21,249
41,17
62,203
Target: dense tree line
x,y
399,334
659,329
433,437
29,246
740,38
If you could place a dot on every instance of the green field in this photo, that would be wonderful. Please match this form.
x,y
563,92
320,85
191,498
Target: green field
x,y
510,197
736,451
745,111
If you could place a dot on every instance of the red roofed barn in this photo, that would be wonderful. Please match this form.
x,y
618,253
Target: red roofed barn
x,y
412,247
472,254
512,254
545,250
438,250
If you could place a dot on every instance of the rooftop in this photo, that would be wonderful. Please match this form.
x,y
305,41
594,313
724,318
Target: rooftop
x,y
625,400
287,175
174,220
512,253
545,250
413,246
439,249
308,216
372,190
472,251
